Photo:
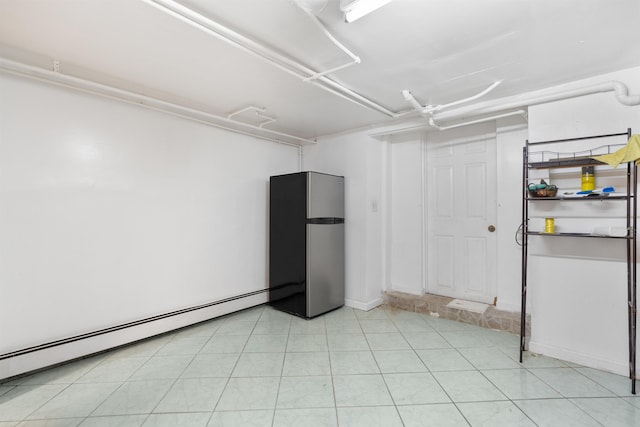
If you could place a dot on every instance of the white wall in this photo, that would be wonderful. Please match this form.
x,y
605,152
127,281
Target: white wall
x,y
577,287
110,213
510,137
406,231
360,159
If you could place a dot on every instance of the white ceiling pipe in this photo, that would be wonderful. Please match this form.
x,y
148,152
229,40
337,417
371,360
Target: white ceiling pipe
x,y
227,35
356,9
260,112
540,97
354,58
408,96
622,94
267,121
254,48
355,97
329,71
249,108
471,98
430,109
148,102
522,113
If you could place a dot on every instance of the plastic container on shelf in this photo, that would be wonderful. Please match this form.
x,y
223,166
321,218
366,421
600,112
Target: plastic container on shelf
x,y
588,178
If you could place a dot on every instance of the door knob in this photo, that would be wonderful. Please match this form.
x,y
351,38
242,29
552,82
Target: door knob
x,y
492,228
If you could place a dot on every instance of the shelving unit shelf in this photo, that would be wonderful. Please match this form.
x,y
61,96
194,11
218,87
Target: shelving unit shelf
x,y
580,199
553,160
565,162
595,236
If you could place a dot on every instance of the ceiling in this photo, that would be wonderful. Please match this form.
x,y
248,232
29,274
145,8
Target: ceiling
x,y
440,50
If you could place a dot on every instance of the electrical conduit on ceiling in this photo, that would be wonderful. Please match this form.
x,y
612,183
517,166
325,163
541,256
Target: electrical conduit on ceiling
x,y
319,79
620,90
522,113
311,8
540,97
259,112
354,58
430,109
276,59
151,103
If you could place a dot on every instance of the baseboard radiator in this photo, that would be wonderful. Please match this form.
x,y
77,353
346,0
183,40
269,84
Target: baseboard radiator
x,y
37,357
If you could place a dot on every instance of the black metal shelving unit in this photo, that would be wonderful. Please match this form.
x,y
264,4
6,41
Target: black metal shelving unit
x,y
572,161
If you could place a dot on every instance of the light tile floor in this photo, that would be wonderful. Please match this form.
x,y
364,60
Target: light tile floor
x,y
261,367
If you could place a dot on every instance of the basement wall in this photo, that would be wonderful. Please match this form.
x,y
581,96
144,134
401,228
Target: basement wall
x,y
111,213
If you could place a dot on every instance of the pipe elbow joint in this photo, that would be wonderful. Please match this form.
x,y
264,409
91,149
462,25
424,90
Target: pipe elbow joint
x,y
433,124
622,94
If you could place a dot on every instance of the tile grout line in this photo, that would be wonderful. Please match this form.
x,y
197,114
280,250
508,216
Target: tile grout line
x,y
489,380
436,379
378,365
122,382
275,405
563,397
333,386
179,376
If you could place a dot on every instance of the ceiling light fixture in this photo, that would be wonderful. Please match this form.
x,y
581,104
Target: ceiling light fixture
x,y
356,9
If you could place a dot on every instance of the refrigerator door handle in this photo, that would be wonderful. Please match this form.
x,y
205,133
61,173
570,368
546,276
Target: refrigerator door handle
x,y
325,221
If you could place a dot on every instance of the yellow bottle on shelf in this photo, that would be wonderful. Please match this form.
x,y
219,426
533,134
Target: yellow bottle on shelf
x,y
588,179
549,225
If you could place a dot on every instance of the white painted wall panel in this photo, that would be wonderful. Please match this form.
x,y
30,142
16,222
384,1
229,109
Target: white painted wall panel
x,y
111,213
510,138
578,311
406,216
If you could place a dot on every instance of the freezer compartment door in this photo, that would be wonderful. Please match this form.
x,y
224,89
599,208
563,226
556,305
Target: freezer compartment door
x,y
325,268
325,196
287,243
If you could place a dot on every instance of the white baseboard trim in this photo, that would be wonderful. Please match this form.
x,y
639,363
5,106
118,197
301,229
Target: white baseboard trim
x,y
36,360
410,291
591,361
364,306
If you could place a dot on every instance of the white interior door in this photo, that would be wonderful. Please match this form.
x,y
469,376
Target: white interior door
x,y
461,214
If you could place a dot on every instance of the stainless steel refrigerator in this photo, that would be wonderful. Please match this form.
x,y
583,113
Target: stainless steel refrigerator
x,y
306,243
